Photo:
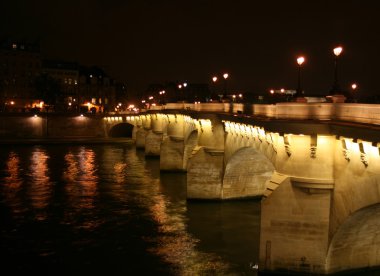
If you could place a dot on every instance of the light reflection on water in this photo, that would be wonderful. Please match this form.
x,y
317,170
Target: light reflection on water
x,y
108,210
40,189
12,183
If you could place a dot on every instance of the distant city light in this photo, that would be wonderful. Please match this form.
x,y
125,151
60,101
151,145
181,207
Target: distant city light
x,y
225,76
214,79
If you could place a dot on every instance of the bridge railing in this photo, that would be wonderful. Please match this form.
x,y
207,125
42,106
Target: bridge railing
x,y
352,112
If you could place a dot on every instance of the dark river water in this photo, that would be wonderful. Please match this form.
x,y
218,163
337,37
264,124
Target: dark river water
x,y
107,210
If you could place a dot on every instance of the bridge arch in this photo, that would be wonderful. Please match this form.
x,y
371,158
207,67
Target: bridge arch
x,y
356,243
121,130
246,180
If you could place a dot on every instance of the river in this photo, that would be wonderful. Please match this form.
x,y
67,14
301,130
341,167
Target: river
x,y
107,210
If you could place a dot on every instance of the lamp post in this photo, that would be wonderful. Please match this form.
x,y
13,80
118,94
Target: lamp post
x,y
336,89
300,61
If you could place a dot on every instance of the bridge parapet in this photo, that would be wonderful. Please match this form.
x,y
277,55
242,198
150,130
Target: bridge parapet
x,y
351,112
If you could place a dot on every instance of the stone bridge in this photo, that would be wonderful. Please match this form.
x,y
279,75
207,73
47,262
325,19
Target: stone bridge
x,y
315,166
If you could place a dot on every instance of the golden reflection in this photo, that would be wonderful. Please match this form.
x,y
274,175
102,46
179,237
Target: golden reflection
x,y
119,172
176,246
82,179
41,186
12,183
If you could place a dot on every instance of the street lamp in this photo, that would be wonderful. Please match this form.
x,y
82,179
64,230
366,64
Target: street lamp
x,y
225,77
354,86
300,61
162,93
337,51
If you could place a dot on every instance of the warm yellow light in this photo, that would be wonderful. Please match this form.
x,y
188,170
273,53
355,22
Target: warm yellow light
x,y
300,60
271,91
338,51
225,76
12,102
354,86
214,79
179,86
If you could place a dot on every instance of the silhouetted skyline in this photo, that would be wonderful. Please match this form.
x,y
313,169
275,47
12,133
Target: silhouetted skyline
x,y
148,41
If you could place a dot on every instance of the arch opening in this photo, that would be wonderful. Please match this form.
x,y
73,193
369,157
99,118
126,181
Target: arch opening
x,y
121,130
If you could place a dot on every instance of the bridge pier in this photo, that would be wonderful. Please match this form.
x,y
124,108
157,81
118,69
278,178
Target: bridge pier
x,y
294,229
153,141
205,174
172,154
141,134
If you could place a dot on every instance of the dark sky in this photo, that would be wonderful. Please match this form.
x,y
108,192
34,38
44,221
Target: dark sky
x,y
257,42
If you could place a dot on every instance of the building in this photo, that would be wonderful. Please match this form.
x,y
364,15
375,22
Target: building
x,y
96,89
20,64
27,81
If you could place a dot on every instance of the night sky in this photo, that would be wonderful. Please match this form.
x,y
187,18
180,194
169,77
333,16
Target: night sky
x,y
256,42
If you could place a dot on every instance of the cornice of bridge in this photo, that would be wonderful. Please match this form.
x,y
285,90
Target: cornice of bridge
x,y
354,130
